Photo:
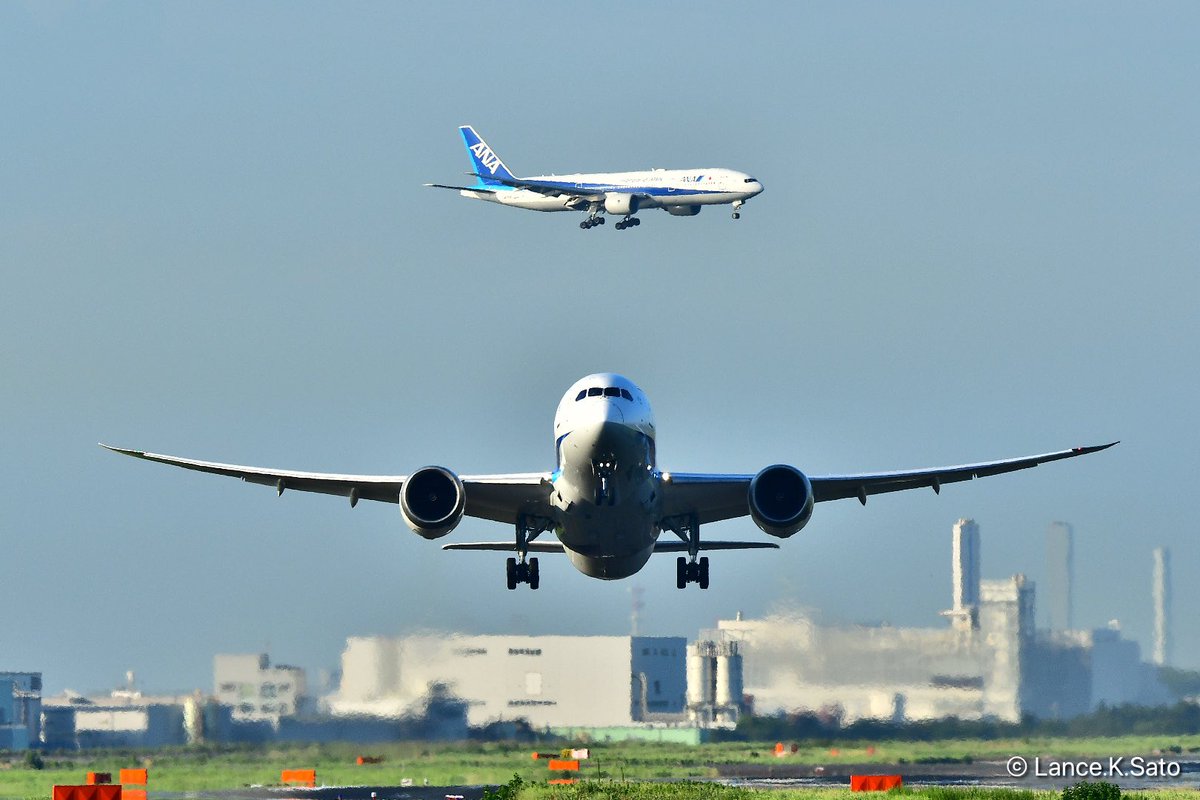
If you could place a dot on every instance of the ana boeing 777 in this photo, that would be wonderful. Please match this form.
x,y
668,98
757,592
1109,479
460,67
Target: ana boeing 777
x,y
680,192
606,502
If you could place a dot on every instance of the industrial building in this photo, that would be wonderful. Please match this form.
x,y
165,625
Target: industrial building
x,y
258,691
550,681
20,710
121,718
990,662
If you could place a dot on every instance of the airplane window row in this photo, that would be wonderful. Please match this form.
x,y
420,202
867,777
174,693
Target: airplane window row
x,y
608,391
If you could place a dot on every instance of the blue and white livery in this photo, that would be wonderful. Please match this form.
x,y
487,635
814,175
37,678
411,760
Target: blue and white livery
x,y
680,192
607,501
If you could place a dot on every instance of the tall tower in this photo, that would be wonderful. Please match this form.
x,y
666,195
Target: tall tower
x,y
964,568
1060,572
1162,606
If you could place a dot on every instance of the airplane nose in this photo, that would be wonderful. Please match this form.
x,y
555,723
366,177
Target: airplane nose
x,y
756,187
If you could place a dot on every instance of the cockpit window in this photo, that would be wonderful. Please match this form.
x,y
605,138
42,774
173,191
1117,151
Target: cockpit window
x,y
612,391
595,391
750,180
625,393
582,394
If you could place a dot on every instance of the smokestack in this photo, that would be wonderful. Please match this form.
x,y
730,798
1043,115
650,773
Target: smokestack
x,y
1060,573
1162,606
964,567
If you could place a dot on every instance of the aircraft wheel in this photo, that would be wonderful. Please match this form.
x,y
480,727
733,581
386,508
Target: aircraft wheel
x,y
703,578
736,215
534,576
511,570
635,222
599,220
620,226
583,225
681,576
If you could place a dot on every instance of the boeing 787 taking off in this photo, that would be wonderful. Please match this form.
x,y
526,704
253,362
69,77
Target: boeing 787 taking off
x,y
680,192
606,501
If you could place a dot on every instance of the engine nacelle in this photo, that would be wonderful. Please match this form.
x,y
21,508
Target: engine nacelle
x,y
620,203
432,501
781,500
683,211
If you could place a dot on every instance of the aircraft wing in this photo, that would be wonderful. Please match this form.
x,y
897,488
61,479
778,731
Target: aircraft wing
x,y
716,497
549,189
495,497
557,547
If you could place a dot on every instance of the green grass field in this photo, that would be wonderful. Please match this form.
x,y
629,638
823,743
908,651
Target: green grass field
x,y
473,763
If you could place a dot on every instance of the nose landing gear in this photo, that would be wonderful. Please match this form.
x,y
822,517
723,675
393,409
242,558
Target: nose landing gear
x,y
737,205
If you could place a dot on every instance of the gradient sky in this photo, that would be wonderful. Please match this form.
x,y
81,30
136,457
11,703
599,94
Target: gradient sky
x,y
979,239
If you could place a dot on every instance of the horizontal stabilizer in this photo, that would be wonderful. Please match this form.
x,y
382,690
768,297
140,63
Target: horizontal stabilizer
x,y
461,188
682,547
659,547
506,547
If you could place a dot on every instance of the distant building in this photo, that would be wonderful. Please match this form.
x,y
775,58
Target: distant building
x,y
1060,574
123,718
258,691
550,681
990,663
20,710
1162,606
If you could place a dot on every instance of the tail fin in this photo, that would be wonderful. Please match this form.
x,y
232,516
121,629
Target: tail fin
x,y
484,162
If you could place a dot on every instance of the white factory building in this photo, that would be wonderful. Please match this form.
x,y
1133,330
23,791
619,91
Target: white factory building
x,y
990,662
550,681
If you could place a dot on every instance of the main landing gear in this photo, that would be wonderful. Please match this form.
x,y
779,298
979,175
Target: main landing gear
x,y
690,572
737,205
523,569
628,222
690,569
592,221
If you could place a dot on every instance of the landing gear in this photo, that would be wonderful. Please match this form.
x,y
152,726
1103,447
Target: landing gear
x,y
690,569
523,569
518,572
691,572
628,222
737,205
591,222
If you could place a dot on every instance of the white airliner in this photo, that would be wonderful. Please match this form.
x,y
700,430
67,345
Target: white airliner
x,y
680,192
607,501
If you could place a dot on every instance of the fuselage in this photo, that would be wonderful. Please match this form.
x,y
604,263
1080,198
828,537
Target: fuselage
x,y
658,188
606,485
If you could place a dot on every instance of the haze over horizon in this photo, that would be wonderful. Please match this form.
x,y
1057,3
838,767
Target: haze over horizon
x,y
977,240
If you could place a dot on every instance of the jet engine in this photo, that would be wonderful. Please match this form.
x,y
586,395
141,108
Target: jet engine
x,y
432,501
683,211
620,203
781,500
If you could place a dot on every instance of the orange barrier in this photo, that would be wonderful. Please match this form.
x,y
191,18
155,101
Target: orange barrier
x,y
306,777
368,760
136,777
98,778
561,765
562,781
88,792
875,783
133,794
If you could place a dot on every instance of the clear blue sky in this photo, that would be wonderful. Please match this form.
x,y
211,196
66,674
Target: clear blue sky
x,y
978,239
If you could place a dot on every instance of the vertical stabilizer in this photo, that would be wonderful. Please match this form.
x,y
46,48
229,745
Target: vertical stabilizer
x,y
485,164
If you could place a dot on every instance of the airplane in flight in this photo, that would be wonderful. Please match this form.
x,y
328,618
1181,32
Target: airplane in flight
x,y
606,502
680,192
